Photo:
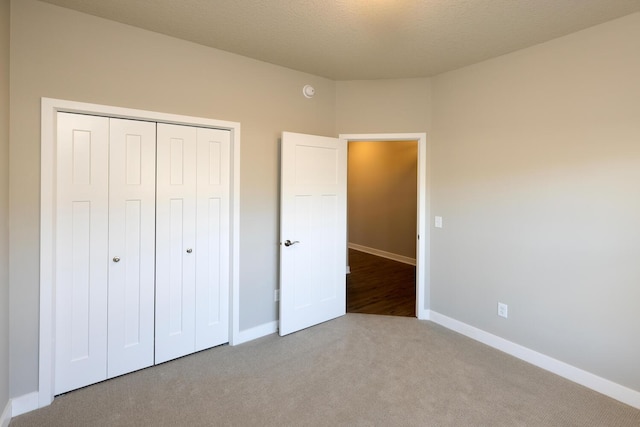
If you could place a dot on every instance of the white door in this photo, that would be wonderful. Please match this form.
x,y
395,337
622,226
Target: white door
x,y
131,290
132,184
81,251
212,237
313,230
175,241
192,251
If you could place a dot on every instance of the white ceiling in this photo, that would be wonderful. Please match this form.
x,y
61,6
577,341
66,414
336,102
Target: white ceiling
x,y
362,39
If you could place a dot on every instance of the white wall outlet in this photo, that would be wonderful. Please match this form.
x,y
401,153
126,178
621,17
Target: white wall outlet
x,y
438,222
276,295
503,310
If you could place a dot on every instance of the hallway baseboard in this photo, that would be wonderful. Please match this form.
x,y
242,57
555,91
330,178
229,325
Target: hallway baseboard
x,y
383,254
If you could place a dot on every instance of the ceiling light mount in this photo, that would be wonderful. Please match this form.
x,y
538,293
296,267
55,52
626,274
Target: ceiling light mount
x,y
308,91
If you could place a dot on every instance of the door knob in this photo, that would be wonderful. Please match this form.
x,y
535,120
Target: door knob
x,y
189,250
116,259
290,243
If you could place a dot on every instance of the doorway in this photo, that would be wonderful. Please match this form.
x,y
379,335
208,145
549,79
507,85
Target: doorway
x,y
382,222
403,270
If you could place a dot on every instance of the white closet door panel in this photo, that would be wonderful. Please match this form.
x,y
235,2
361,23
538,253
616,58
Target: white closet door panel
x,y
81,251
131,298
175,241
212,244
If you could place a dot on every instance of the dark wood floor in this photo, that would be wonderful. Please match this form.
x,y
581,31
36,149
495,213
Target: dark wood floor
x,y
380,286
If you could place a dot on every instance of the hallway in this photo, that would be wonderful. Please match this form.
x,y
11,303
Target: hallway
x,y
379,285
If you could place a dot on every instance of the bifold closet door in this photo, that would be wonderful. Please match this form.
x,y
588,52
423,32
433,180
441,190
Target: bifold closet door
x,y
82,221
213,237
132,185
175,241
105,234
192,240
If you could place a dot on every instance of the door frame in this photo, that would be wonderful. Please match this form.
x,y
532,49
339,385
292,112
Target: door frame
x,y
423,257
49,109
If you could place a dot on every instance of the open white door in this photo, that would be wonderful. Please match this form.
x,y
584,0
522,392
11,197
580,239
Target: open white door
x,y
313,230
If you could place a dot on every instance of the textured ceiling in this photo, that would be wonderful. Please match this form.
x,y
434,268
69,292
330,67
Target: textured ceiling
x,y
362,39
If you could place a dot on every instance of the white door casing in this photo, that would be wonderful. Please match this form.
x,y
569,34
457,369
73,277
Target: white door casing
x,y
82,250
132,183
312,230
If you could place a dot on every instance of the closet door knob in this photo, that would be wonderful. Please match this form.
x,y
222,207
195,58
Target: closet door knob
x,y
189,250
116,259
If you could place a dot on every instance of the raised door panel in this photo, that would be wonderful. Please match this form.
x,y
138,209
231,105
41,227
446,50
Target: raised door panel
x,y
212,244
175,241
81,251
131,297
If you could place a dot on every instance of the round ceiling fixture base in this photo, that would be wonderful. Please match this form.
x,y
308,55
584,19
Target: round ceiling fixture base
x,y
308,91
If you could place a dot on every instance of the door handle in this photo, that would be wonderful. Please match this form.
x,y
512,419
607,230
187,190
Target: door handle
x,y
116,259
290,243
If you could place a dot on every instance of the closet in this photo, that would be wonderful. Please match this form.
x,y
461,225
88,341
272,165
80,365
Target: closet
x,y
142,245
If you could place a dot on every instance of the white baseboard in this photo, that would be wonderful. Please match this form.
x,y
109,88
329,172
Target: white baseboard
x,y
257,332
601,385
25,403
383,254
5,418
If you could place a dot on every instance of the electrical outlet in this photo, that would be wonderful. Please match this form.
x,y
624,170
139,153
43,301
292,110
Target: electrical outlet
x,y
503,310
438,222
276,295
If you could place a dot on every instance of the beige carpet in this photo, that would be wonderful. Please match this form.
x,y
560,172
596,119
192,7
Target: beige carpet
x,y
359,370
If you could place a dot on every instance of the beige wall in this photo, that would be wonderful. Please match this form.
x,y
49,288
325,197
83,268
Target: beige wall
x,y
4,204
382,195
63,54
536,172
383,106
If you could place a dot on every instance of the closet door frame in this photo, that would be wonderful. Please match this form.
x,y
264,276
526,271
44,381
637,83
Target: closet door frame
x,y
49,109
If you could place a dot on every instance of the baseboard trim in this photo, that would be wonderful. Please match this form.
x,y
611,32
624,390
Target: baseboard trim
x,y
257,332
601,385
383,254
25,403
5,418
424,314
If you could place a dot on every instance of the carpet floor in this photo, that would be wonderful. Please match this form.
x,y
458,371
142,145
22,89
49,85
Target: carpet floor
x,y
358,370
